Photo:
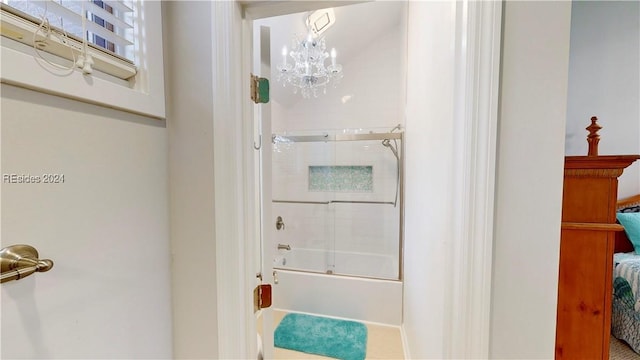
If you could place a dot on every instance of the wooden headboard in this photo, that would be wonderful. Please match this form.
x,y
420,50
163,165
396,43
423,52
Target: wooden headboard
x,y
587,241
622,241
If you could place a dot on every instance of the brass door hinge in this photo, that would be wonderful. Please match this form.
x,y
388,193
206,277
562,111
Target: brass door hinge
x,y
259,89
261,297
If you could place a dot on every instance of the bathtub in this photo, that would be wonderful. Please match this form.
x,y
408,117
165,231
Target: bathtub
x,y
343,263
304,285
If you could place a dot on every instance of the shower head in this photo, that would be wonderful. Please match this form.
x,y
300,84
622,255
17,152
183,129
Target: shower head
x,y
387,143
394,149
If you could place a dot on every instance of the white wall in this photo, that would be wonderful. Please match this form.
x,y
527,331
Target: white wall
x,y
370,95
190,126
604,81
428,184
106,229
529,179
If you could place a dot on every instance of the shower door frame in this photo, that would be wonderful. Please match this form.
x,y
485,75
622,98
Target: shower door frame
x,y
400,183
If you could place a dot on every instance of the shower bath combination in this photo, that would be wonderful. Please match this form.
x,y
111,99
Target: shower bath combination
x,y
335,191
341,197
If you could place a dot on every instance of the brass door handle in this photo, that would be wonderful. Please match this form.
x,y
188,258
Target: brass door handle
x,y
20,261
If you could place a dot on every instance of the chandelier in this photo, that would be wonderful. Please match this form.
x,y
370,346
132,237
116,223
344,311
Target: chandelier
x,y
308,73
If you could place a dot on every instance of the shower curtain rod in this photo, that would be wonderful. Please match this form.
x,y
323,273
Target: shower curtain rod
x,y
336,137
333,202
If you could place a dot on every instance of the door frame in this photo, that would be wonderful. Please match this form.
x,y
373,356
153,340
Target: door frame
x,y
478,28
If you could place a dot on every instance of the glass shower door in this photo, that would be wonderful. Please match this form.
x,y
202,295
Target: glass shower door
x,y
305,242
338,196
367,210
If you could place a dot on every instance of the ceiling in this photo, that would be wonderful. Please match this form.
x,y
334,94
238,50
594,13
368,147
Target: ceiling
x,y
356,27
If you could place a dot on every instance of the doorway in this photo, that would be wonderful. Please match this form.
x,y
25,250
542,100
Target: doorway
x,y
330,163
443,36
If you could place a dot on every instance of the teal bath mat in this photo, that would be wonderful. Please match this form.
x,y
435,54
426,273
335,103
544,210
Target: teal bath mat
x,y
340,339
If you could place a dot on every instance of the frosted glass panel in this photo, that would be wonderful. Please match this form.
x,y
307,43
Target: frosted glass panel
x,y
341,178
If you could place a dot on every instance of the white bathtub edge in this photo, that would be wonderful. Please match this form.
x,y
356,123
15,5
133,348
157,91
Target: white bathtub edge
x,y
360,299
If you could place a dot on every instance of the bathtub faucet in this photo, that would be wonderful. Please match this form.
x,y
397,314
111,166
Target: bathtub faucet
x,y
284,247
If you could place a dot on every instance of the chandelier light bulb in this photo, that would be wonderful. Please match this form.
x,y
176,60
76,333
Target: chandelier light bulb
x,y
333,57
284,55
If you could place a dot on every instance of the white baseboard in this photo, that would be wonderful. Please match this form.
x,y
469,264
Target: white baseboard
x,y
405,344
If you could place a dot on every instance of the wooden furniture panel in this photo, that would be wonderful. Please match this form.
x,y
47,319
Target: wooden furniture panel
x,y
589,200
583,319
591,187
587,242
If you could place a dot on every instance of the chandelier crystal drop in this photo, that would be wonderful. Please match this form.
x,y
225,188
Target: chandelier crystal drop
x,y
308,73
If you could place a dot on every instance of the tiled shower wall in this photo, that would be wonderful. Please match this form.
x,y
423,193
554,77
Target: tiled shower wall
x,y
341,178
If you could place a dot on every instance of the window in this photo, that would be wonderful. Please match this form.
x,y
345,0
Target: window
x,y
105,42
75,29
99,51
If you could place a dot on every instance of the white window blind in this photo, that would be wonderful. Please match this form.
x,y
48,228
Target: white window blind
x,y
107,26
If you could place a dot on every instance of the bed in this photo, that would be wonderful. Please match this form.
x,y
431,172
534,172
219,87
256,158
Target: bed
x,y
587,246
625,315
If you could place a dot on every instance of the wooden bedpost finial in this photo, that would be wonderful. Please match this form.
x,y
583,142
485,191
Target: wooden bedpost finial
x,y
593,138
